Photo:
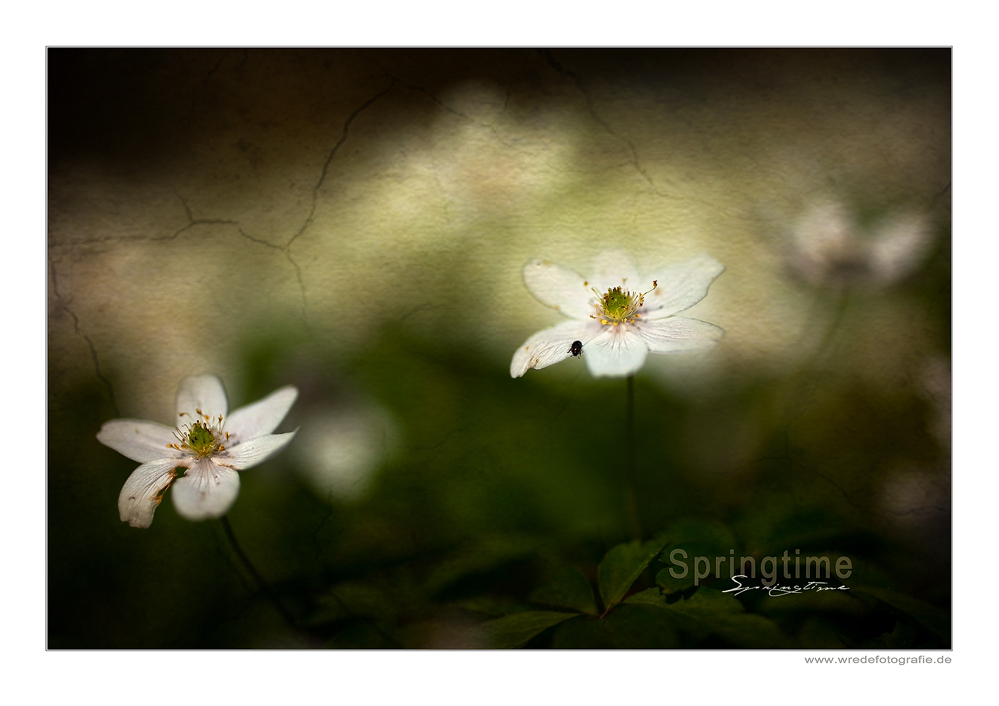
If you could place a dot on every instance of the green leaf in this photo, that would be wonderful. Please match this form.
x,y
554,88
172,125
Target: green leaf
x,y
566,588
650,596
711,612
673,585
622,565
515,630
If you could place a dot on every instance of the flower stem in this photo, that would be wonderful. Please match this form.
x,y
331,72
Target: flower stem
x,y
802,383
831,329
631,497
261,584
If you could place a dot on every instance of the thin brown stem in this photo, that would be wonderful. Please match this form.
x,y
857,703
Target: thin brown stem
x,y
257,578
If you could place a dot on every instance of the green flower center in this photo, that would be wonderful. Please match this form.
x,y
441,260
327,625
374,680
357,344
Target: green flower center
x,y
201,440
618,305
204,437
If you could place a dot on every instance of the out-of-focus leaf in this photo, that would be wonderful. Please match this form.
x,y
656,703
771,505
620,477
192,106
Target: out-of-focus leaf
x,y
355,599
622,565
488,554
710,612
566,588
690,538
627,627
930,617
862,573
819,634
902,636
810,602
491,606
447,628
515,630
781,521
360,636
709,534
670,584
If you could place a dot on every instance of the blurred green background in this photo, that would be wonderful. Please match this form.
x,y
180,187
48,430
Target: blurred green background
x,y
355,223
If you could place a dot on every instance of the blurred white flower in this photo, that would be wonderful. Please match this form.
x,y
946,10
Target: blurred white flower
x,y
209,447
617,316
830,247
340,448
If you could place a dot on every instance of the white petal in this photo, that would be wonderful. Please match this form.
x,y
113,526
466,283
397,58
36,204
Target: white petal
x,y
138,440
552,345
680,286
261,417
616,268
899,245
204,392
559,287
617,352
679,333
143,490
208,490
250,453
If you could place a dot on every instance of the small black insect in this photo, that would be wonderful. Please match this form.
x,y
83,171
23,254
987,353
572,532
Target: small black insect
x,y
576,349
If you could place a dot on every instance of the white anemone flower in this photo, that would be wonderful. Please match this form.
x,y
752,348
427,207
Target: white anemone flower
x,y
831,248
208,447
617,316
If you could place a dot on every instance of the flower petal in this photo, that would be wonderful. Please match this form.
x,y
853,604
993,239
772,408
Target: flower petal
x,y
204,392
261,417
207,490
559,287
551,345
680,286
143,491
249,453
679,333
138,440
899,245
618,352
616,268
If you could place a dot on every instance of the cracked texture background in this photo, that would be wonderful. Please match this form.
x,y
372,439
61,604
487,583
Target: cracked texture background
x,y
277,216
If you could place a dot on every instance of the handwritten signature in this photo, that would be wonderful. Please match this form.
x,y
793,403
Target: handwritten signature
x,y
783,590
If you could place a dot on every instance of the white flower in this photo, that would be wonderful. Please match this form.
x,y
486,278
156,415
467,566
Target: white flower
x,y
208,446
618,316
829,246
341,448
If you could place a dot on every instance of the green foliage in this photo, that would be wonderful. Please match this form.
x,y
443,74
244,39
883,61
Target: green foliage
x,y
497,525
515,630
626,627
708,612
622,565
566,588
927,616
692,537
356,599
